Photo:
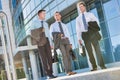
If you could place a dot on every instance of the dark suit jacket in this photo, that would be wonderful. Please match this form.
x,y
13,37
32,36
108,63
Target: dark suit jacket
x,y
38,37
93,30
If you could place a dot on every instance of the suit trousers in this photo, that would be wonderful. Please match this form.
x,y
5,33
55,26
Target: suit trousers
x,y
88,44
46,57
65,49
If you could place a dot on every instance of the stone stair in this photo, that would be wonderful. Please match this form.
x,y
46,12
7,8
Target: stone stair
x,y
106,74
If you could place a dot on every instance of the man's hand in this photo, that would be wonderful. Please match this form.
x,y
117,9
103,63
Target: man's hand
x,y
80,42
61,35
71,46
43,30
51,47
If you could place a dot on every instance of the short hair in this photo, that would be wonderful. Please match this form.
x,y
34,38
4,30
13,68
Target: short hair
x,y
41,11
58,12
82,3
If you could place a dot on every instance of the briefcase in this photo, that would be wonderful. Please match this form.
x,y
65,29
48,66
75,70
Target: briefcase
x,y
72,54
38,37
82,51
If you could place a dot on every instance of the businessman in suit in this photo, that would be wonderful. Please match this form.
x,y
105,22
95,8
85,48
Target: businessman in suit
x,y
59,32
40,33
87,30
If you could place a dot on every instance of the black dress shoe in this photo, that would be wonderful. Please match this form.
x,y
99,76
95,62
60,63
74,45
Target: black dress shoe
x,y
94,69
103,67
52,76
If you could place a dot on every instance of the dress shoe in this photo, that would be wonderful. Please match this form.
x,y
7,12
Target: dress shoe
x,y
71,73
52,76
94,69
103,67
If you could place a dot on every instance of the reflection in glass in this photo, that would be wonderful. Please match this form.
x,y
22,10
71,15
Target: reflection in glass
x,y
114,26
110,10
37,2
0,5
62,6
116,47
32,5
53,4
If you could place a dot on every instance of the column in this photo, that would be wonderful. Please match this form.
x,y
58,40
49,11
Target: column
x,y
25,66
33,61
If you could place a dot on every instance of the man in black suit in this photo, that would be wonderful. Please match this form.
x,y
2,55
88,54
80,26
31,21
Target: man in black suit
x,y
87,29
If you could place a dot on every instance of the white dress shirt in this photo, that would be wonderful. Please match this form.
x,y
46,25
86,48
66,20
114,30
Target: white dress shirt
x,y
79,23
55,28
37,24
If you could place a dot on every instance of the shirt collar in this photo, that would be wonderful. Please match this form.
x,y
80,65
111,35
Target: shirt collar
x,y
58,21
40,19
84,12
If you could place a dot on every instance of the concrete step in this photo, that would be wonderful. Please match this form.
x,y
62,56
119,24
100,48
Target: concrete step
x,y
106,74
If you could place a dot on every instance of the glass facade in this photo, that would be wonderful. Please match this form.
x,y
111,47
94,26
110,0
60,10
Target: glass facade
x,y
0,5
107,14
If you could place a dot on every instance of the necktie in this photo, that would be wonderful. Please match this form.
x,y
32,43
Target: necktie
x,y
61,29
84,22
41,23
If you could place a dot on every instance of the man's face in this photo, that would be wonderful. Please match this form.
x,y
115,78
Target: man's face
x,y
82,8
57,16
42,15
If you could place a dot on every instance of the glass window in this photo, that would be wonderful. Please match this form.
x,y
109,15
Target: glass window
x,y
75,41
104,30
0,5
111,9
53,11
33,13
44,3
58,1
114,26
52,5
37,2
25,3
38,8
116,47
24,13
118,2
47,16
73,26
27,8
94,11
63,5
46,8
71,2
50,0
69,28
13,3
32,5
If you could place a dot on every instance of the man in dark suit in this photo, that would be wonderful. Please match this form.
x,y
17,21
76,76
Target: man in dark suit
x,y
40,36
87,29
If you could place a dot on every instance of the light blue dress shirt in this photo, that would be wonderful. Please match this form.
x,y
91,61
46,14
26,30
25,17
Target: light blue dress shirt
x,y
79,23
55,28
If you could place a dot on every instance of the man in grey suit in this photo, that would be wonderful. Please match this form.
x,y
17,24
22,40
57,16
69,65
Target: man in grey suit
x,y
64,44
40,34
